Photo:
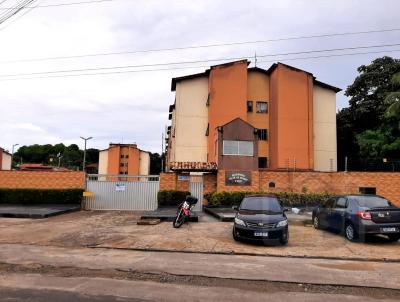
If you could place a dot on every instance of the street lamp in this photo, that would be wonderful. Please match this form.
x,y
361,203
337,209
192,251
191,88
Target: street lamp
x,y
12,153
84,152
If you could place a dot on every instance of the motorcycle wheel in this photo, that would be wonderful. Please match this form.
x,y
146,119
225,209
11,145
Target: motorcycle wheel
x,y
179,220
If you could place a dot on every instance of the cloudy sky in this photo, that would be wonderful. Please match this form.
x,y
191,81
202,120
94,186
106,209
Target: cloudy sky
x,y
132,106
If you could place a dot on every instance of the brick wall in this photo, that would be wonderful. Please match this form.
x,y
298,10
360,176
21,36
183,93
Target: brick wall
x,y
168,181
42,180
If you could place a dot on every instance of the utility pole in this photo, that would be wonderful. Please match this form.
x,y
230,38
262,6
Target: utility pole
x,y
12,154
162,150
84,152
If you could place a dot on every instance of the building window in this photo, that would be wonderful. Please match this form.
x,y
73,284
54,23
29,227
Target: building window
x,y
262,134
271,184
127,156
262,107
241,148
208,130
262,162
249,106
121,164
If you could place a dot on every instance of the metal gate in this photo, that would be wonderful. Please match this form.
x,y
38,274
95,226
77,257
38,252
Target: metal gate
x,y
196,189
121,192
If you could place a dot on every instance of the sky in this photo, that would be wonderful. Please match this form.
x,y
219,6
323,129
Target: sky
x,y
132,107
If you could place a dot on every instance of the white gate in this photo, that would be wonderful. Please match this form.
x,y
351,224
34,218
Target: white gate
x,y
196,189
121,192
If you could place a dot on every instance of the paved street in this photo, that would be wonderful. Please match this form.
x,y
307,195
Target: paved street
x,y
29,272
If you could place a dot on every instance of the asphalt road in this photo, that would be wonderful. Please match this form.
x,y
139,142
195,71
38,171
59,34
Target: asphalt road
x,y
45,273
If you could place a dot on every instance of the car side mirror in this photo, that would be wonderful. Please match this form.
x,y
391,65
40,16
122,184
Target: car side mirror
x,y
235,208
286,209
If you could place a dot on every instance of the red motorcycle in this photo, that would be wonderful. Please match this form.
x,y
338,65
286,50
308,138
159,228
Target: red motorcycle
x,y
184,210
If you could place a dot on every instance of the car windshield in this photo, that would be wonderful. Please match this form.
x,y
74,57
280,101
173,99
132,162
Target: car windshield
x,y
372,201
262,204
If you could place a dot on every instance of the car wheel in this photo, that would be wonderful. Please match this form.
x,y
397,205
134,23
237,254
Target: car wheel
x,y
316,223
394,237
350,232
236,238
283,241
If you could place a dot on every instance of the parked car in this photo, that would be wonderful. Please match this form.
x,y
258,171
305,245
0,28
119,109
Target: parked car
x,y
358,216
261,218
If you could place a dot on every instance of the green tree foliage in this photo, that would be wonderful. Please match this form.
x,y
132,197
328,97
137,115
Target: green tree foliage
x,y
369,127
70,156
155,163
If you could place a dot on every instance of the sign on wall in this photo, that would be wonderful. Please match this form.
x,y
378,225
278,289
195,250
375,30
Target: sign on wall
x,y
120,187
183,177
238,178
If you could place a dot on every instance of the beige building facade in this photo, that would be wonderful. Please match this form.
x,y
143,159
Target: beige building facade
x,y
325,148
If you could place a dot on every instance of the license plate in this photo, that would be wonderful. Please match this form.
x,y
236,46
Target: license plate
x,y
389,230
261,234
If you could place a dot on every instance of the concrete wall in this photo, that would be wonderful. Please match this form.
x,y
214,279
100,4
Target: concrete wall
x,y
5,162
190,120
258,90
291,119
228,95
144,168
42,180
325,154
103,162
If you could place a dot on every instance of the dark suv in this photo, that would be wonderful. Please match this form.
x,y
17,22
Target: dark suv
x,y
261,218
359,215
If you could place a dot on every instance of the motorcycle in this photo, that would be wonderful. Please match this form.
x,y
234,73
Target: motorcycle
x,y
184,210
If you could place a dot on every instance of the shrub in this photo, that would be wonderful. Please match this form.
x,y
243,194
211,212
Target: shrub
x,y
287,199
171,197
40,196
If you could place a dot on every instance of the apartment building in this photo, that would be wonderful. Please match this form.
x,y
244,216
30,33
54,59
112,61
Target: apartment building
x,y
235,117
5,160
124,159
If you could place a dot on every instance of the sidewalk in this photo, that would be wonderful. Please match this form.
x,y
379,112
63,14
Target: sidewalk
x,y
277,269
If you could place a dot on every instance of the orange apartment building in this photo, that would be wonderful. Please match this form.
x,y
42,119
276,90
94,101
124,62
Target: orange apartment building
x,y
232,117
124,159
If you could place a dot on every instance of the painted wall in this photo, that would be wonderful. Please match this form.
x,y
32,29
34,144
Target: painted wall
x,y
144,167
5,162
291,119
325,151
258,90
228,95
190,120
133,160
113,160
103,162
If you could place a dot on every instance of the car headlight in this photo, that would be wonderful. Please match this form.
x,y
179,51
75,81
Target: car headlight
x,y
281,223
239,221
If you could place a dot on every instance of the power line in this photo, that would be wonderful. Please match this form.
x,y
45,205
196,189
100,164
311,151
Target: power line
x,y
190,67
12,12
60,4
202,46
193,62
19,16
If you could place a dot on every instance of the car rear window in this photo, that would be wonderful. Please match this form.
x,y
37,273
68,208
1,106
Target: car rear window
x,y
372,201
269,204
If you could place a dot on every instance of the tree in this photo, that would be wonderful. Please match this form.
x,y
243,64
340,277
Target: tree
x,y
155,163
369,127
393,98
71,156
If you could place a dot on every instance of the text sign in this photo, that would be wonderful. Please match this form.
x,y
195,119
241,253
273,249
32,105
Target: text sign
x,y
120,187
183,177
238,178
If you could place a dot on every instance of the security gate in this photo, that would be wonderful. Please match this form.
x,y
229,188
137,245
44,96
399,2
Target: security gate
x,y
121,192
196,189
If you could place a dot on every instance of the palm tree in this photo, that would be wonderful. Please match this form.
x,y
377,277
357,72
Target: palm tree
x,y
393,98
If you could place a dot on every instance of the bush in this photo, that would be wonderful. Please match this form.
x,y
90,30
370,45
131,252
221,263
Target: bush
x,y
287,199
41,196
171,197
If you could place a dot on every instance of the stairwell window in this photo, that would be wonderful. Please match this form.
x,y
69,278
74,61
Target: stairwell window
x,y
238,148
249,106
262,107
262,134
